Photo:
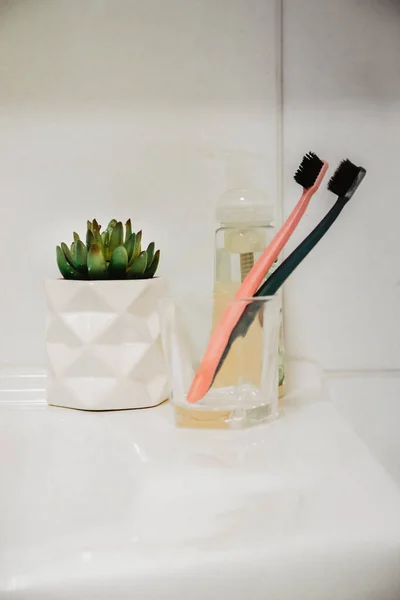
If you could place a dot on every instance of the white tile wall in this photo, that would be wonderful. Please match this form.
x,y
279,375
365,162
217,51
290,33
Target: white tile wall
x,y
342,98
109,108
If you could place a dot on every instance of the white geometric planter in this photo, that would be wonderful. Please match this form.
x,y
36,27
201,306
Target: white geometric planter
x,y
103,344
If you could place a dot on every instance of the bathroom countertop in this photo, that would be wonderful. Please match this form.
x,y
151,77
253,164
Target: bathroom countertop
x,y
121,505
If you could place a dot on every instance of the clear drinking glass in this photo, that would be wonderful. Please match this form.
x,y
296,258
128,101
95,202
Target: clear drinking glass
x,y
245,390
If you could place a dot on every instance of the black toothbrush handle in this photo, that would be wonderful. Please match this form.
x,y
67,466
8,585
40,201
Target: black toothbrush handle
x,y
279,276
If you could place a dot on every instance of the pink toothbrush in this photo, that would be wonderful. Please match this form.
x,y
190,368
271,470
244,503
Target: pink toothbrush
x,y
310,175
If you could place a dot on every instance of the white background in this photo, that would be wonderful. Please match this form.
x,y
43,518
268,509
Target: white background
x,y
111,108
342,97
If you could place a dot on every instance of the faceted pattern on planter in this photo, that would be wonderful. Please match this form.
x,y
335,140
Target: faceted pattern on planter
x,y
103,344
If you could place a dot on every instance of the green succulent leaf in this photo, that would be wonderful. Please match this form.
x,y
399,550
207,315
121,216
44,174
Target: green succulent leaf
x,y
150,253
89,239
89,226
128,230
138,267
68,254
97,239
96,234
117,236
76,237
107,247
97,266
137,249
66,269
72,248
96,227
111,225
130,245
118,263
152,268
80,257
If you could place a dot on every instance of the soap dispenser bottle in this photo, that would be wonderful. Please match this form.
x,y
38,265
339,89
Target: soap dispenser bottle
x,y
245,226
244,222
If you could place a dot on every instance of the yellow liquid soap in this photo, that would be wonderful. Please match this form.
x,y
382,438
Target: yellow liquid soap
x,y
244,359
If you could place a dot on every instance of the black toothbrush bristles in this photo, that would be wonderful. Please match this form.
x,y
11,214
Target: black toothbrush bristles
x,y
344,178
308,171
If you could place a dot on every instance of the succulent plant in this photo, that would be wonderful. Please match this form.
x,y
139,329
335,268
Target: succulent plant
x,y
111,254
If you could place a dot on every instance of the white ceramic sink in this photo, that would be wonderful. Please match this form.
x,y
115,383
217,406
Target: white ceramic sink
x,y
122,505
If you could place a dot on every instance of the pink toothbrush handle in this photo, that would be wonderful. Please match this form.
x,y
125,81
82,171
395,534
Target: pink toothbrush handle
x,y
231,315
233,312
205,374
253,280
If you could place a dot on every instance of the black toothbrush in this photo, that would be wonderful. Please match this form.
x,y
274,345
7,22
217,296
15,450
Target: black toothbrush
x,y
344,183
